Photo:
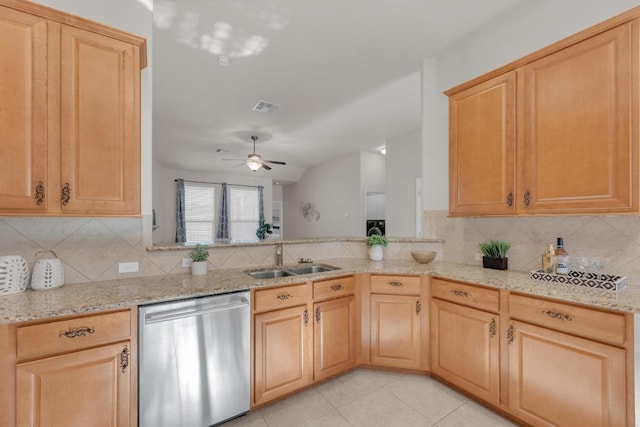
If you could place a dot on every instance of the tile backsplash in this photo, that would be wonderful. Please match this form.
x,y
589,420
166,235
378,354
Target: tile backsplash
x,y
614,237
91,248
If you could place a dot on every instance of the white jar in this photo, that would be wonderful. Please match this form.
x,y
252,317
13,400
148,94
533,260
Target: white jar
x,y
48,273
376,253
14,274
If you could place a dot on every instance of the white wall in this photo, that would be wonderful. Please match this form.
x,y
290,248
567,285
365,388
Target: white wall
x,y
528,27
334,188
403,165
164,195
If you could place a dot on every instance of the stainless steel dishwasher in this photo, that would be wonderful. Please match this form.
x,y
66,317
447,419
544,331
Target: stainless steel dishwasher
x,y
194,361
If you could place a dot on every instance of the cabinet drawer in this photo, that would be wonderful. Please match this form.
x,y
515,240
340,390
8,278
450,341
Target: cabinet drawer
x,y
586,322
334,288
288,296
73,334
399,285
473,296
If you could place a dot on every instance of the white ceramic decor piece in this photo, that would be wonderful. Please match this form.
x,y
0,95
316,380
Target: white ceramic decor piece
x,y
199,268
14,274
376,253
48,272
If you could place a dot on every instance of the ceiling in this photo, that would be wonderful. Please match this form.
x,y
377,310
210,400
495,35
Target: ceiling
x,y
345,72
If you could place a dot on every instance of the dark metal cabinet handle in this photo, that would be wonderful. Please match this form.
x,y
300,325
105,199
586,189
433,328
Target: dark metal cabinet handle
x,y
318,315
124,359
510,334
305,316
492,328
460,293
337,287
418,307
77,332
396,284
527,199
510,199
284,297
66,194
39,193
556,315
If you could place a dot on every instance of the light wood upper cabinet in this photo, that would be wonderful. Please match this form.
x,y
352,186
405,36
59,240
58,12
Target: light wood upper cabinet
x,y
569,115
556,379
23,111
100,123
482,143
70,117
579,150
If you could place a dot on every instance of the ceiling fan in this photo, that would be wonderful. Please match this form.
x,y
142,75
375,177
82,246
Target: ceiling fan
x,y
254,161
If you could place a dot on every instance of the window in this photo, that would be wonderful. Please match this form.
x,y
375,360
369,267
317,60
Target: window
x,y
243,214
199,212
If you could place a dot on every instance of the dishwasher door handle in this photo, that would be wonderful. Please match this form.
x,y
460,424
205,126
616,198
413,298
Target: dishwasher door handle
x,y
180,313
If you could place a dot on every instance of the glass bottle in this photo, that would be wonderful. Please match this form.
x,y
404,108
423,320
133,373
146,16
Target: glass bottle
x,y
562,256
549,260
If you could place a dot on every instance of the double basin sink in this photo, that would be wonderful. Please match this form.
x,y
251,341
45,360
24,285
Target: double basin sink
x,y
291,271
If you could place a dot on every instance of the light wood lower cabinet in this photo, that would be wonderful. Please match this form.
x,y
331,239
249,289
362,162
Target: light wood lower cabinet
x,y
85,388
556,379
334,340
396,331
283,352
465,348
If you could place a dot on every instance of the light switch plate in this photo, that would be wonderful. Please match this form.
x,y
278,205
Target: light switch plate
x,y
128,267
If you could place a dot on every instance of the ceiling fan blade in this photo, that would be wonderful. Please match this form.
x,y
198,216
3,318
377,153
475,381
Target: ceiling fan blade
x,y
264,165
237,160
239,164
275,162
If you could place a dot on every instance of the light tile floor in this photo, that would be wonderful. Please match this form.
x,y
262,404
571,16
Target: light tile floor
x,y
371,398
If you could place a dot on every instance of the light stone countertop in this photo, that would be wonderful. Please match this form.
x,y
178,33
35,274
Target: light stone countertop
x,y
97,296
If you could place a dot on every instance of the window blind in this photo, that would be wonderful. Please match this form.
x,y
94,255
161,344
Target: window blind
x,y
199,212
244,221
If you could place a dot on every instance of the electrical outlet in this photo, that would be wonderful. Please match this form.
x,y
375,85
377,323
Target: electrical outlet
x,y
128,267
186,262
478,256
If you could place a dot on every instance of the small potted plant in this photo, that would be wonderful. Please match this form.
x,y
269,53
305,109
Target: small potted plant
x,y
263,230
495,254
375,243
199,264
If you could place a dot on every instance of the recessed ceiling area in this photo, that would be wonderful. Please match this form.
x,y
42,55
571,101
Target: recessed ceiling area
x,y
345,74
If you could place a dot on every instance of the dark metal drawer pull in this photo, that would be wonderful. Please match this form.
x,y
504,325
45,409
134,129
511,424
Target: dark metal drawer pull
x,y
492,328
396,284
318,314
66,194
283,297
39,193
510,334
556,315
124,359
459,293
305,316
418,307
337,287
77,332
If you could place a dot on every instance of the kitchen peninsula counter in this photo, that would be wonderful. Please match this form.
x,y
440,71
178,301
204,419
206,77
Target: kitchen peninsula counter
x,y
97,296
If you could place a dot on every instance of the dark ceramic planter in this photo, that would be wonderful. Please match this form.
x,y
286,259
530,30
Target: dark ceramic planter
x,y
495,263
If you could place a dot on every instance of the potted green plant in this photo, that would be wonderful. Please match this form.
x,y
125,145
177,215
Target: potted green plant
x,y
263,230
199,256
494,254
375,243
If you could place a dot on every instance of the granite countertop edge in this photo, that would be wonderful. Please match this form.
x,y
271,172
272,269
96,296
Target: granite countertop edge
x,y
117,294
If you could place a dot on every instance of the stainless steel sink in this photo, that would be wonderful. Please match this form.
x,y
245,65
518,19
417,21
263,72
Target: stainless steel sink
x,y
310,269
290,271
270,274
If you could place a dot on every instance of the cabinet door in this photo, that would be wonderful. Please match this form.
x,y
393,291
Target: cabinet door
x,y
283,353
90,388
481,148
23,112
561,380
579,148
465,349
100,124
396,331
334,337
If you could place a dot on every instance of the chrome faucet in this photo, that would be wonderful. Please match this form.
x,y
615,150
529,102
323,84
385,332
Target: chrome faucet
x,y
279,254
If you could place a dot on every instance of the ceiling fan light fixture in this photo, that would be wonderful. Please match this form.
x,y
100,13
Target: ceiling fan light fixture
x,y
254,162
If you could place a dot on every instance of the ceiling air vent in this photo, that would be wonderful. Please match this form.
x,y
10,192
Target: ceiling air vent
x,y
266,107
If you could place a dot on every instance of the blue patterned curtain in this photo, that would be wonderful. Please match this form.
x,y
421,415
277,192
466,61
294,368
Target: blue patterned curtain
x,y
222,233
181,228
260,206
